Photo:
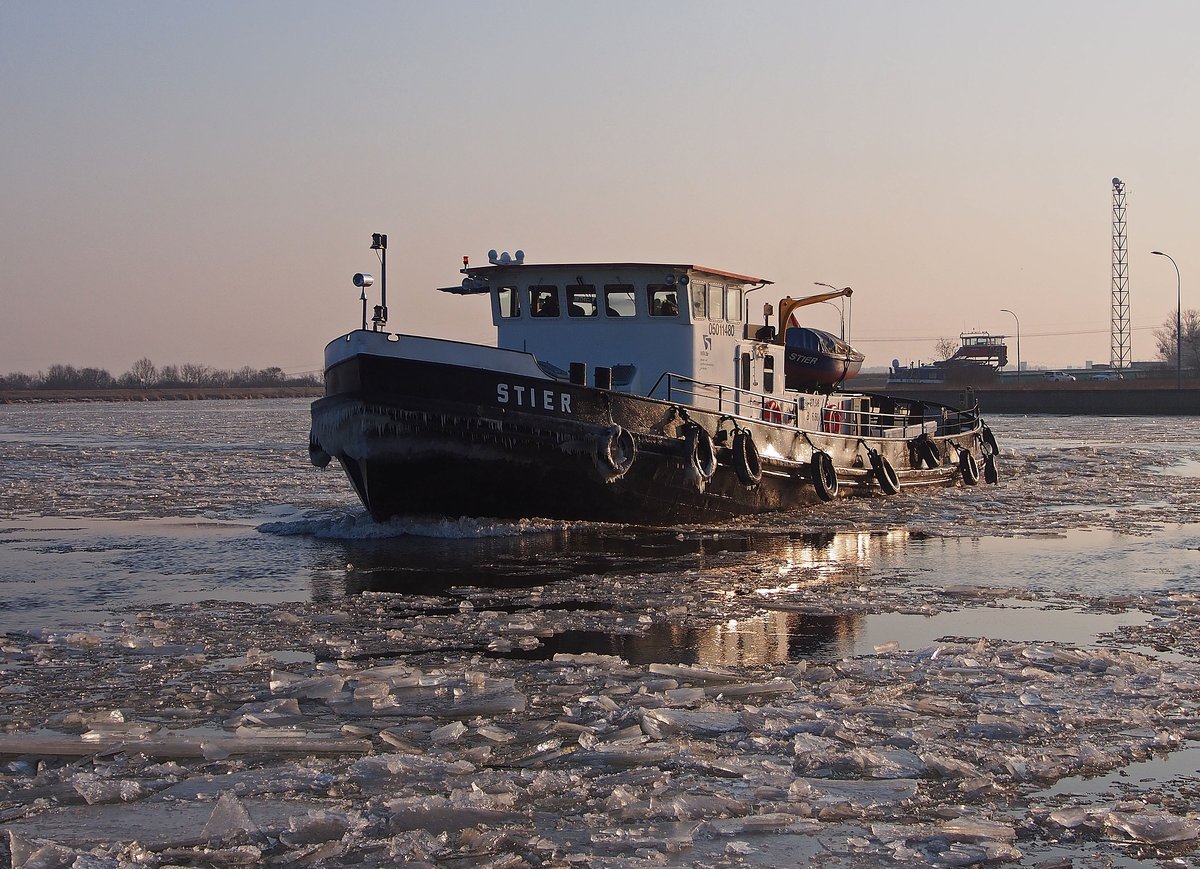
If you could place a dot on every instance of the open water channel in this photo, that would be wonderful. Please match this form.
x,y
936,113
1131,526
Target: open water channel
x,y
210,655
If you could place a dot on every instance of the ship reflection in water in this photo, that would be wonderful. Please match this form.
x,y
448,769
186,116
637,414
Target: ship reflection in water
x,y
741,586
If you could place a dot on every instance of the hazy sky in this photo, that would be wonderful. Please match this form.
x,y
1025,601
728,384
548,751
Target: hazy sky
x,y
198,182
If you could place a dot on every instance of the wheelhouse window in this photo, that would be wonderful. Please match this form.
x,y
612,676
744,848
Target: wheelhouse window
x,y
733,302
768,373
509,302
716,301
543,301
699,301
663,300
581,301
619,300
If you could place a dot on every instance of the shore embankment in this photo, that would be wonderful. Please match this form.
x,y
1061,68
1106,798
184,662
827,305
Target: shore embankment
x,y
175,393
1084,398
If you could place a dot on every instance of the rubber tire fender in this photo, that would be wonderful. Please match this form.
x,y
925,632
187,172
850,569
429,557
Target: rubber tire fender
x,y
615,452
990,473
746,462
824,475
989,441
885,474
316,454
929,453
969,468
701,452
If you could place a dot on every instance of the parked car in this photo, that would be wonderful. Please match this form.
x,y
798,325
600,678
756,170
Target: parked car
x,y
1107,375
1058,376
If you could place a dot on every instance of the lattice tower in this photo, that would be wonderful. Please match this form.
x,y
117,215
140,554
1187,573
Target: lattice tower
x,y
1120,355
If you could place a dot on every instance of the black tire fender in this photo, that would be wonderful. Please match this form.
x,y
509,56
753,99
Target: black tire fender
x,y
824,475
924,452
969,468
885,474
615,452
746,462
700,452
990,473
989,442
316,454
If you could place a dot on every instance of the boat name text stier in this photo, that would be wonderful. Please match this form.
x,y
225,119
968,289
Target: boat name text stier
x,y
726,329
533,397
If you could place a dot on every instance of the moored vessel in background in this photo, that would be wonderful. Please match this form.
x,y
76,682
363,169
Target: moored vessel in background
x,y
976,361
625,392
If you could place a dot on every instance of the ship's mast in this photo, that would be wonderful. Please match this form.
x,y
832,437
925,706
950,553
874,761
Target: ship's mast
x,y
1119,356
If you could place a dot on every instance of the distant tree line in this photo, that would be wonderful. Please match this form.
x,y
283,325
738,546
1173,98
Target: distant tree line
x,y
145,374
1167,337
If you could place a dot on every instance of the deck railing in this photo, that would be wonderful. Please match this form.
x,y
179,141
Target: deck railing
x,y
728,400
857,414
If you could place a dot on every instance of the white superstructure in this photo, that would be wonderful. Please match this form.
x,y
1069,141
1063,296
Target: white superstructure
x,y
639,319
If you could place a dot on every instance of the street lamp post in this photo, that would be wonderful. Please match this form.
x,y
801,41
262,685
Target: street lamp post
x,y
839,306
1178,320
1014,316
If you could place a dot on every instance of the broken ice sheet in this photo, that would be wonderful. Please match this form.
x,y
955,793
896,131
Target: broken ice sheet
x,y
96,789
657,722
229,823
977,830
1155,828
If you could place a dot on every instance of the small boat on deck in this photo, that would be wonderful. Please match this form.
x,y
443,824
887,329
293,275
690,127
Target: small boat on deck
x,y
624,392
817,359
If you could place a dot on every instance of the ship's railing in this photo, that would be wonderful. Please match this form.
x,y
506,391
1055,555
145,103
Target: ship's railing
x,y
727,400
861,415
864,415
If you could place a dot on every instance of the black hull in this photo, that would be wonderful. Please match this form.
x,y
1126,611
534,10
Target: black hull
x,y
419,438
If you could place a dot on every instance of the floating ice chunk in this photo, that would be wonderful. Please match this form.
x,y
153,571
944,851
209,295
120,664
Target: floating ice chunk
x,y
1155,828
697,806
272,713
495,734
896,763
117,732
815,750
684,696
312,688
1073,816
38,853
438,815
379,769
229,823
314,828
970,854
948,767
95,789
750,689
862,794
448,733
656,722
688,673
978,830
998,727
623,757
771,822
496,697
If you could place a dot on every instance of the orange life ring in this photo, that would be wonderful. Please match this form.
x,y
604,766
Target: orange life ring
x,y
772,411
833,420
